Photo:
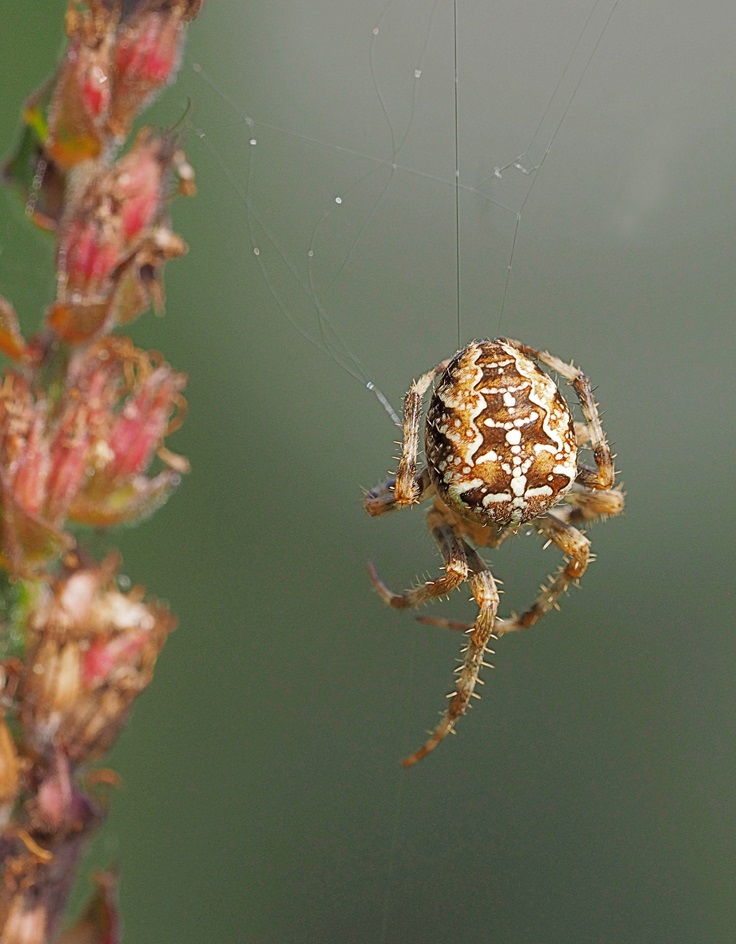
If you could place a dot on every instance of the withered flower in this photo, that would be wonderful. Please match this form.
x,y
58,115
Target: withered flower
x,y
93,652
84,458
133,400
147,54
114,240
77,112
41,855
28,537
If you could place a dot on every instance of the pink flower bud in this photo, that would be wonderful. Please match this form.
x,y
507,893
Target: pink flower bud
x,y
115,239
82,89
88,255
107,657
111,212
87,456
31,468
69,460
146,54
140,428
130,414
146,57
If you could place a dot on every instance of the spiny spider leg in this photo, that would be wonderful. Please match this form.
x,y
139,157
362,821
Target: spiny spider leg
x,y
381,498
485,594
406,489
456,625
602,476
502,449
584,504
456,568
576,547
573,543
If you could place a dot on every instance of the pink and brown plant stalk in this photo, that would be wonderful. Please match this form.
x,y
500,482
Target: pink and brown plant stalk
x,y
84,416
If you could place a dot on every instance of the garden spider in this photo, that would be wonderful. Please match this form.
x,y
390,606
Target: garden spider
x,y
501,449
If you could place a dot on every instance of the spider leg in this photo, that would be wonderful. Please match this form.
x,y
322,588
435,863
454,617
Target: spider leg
x,y
602,476
576,547
456,568
485,594
585,504
582,504
381,498
456,625
406,489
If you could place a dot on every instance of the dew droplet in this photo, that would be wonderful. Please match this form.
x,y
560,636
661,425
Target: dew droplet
x,y
253,141
256,251
338,200
375,31
497,172
417,73
310,253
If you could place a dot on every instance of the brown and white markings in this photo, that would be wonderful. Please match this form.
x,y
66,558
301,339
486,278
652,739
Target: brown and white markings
x,y
501,451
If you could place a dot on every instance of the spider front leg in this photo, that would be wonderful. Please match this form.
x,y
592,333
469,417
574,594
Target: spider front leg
x,y
485,594
407,487
602,477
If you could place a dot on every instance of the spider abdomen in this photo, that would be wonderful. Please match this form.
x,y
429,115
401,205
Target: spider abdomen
x,y
499,437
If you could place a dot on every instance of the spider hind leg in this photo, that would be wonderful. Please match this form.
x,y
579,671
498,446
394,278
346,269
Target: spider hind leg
x,y
454,552
485,594
576,548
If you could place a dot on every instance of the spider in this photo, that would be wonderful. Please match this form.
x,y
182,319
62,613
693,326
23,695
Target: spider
x,y
501,451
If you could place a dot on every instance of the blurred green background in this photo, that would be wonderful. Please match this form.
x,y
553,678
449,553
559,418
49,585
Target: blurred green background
x,y
590,796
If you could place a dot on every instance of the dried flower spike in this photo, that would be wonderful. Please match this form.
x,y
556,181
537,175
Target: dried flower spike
x,y
84,417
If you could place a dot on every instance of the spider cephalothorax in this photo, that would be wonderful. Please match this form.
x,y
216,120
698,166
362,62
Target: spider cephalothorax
x,y
502,450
